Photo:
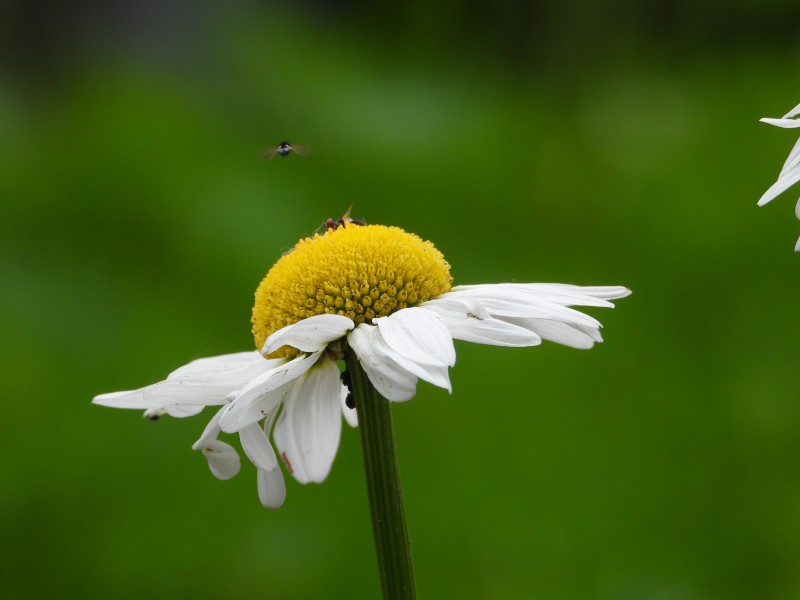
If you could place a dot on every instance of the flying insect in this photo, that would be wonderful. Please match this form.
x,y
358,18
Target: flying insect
x,y
284,149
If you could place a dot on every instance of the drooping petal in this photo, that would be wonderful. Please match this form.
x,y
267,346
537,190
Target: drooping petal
x,y
311,334
223,460
256,445
790,173
392,382
154,404
233,369
418,335
211,432
188,389
792,160
263,394
792,113
786,181
432,373
785,123
308,430
469,321
271,487
126,399
285,371
176,393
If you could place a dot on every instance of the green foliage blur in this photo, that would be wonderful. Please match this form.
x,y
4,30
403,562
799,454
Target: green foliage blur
x,y
607,143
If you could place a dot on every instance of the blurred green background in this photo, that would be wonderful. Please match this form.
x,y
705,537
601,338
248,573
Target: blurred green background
x,y
605,143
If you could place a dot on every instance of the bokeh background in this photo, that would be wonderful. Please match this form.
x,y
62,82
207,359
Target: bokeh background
x,y
589,143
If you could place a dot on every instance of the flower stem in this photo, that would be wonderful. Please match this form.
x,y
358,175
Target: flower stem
x,y
383,485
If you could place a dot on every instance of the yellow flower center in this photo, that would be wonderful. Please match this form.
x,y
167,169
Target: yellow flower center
x,y
361,272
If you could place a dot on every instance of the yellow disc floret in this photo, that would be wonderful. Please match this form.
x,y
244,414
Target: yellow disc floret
x,y
361,272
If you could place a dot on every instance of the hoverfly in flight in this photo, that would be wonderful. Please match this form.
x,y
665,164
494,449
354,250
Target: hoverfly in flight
x,y
284,149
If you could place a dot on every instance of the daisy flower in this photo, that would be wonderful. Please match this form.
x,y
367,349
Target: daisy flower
x,y
378,292
790,173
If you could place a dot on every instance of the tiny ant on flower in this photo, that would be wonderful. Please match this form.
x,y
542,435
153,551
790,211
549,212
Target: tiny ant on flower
x,y
350,401
343,221
154,414
284,149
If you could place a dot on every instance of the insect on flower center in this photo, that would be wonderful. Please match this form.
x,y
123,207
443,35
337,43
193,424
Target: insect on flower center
x,y
361,272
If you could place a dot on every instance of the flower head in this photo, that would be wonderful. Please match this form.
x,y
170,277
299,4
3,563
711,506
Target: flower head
x,y
359,272
790,173
376,291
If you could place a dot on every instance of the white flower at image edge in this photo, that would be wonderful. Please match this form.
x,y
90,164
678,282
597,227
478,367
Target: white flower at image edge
x,y
790,173
306,395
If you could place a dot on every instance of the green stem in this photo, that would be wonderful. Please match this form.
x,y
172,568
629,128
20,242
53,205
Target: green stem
x,y
383,485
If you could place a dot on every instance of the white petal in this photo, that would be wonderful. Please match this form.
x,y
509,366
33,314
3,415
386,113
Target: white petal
x,y
541,308
785,123
532,293
128,399
239,415
271,487
311,334
235,369
283,373
418,335
308,430
211,432
256,445
203,382
223,460
435,374
350,414
175,393
535,308
156,400
469,321
792,160
526,305
180,411
575,336
392,382
579,295
263,394
786,181
795,111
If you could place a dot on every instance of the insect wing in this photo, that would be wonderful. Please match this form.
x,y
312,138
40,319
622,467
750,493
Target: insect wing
x,y
300,149
270,153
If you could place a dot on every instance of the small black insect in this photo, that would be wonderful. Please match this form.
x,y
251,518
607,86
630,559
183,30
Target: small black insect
x,y
284,149
350,401
343,221
154,414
